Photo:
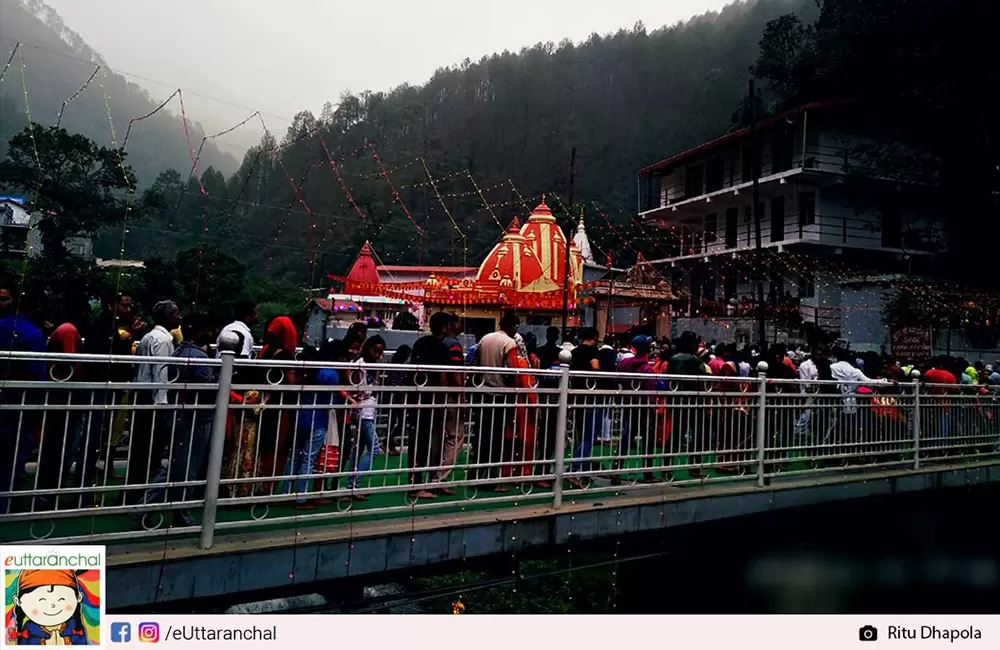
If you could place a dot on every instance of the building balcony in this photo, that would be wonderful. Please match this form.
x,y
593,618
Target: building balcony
x,y
700,187
831,231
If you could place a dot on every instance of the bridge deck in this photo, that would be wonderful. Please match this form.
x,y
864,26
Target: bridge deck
x,y
576,502
379,506
174,571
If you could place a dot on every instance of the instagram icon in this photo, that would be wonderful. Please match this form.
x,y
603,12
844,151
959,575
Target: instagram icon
x,y
149,632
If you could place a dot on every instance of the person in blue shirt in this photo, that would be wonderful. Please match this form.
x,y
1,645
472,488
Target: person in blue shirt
x,y
312,423
18,333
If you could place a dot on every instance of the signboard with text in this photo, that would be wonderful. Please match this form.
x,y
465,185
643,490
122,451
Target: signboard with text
x,y
911,343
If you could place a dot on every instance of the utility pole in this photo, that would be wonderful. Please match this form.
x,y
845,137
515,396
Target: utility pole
x,y
759,256
568,234
609,318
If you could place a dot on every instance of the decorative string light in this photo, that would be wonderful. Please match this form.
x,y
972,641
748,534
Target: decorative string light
x,y
440,179
76,94
518,194
457,195
10,60
125,176
395,194
34,143
131,123
378,175
340,178
38,184
204,197
194,170
485,202
274,152
614,568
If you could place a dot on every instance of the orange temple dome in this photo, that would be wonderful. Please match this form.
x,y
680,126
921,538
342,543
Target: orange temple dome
x,y
525,269
546,240
512,265
363,278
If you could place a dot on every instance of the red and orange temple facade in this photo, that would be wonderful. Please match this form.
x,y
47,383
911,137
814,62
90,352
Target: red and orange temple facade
x,y
525,272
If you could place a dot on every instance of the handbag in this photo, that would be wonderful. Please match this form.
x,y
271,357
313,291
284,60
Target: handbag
x,y
328,461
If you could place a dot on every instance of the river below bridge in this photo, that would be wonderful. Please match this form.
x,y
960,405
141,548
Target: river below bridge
x,y
906,554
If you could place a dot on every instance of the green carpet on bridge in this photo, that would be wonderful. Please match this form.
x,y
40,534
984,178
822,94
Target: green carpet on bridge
x,y
86,524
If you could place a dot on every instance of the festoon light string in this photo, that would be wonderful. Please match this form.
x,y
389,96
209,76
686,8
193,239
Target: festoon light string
x,y
79,92
399,200
38,163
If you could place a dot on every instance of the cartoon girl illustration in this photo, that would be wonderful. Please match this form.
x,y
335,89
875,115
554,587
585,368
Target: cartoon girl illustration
x,y
47,608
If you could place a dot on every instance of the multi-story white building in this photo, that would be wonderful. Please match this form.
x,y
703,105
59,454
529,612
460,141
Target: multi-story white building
x,y
832,231
20,235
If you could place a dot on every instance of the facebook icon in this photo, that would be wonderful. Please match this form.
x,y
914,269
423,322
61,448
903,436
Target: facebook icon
x,y
121,633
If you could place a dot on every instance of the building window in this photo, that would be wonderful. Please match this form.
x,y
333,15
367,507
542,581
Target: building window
x,y
777,219
807,287
711,227
746,164
782,152
15,239
776,287
749,217
732,227
694,181
892,228
807,209
729,286
652,196
709,292
715,175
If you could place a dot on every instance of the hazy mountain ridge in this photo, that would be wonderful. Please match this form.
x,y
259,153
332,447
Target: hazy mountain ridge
x,y
57,63
623,100
51,19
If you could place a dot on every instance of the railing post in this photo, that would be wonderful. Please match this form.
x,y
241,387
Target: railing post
x,y
916,424
560,452
214,474
761,426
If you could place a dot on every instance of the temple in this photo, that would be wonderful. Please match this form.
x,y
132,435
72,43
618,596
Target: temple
x,y
636,301
361,295
525,272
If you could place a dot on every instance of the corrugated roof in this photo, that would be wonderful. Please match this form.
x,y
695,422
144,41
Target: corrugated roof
x,y
402,268
736,135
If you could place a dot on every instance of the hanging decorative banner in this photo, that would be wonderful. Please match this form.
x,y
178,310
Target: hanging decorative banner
x,y
394,290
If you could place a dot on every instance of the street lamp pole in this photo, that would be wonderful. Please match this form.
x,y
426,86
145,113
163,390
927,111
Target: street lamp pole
x,y
566,265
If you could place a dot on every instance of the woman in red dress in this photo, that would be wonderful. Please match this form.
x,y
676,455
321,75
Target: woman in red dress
x,y
280,342
522,432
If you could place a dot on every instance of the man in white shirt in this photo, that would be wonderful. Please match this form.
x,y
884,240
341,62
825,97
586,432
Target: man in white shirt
x,y
246,317
844,371
151,427
808,372
496,350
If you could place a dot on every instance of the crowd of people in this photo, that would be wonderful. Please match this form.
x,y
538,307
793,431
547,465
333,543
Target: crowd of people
x,y
319,441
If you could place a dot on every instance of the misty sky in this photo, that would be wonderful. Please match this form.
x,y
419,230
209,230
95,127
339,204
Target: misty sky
x,y
283,56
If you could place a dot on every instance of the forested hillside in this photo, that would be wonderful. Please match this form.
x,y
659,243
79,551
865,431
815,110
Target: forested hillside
x,y
57,64
511,119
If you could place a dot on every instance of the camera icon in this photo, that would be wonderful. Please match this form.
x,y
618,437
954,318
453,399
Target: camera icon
x,y
868,633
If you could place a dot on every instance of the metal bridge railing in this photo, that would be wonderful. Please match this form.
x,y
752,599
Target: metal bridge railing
x,y
216,446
